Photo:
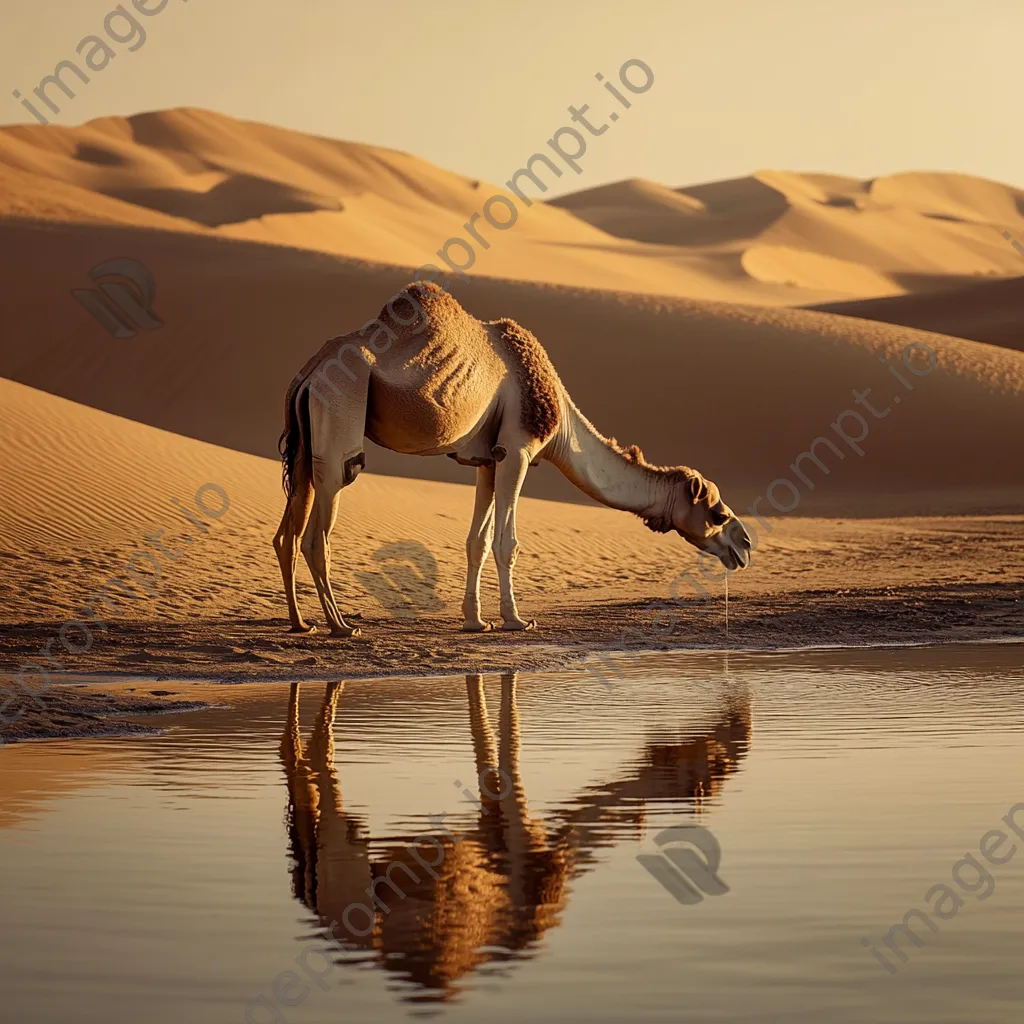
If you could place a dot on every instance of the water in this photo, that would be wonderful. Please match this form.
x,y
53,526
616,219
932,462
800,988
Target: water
x,y
176,878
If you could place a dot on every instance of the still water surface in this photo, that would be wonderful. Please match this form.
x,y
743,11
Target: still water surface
x,y
179,877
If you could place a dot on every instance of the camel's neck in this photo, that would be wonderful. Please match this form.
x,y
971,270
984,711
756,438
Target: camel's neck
x,y
598,468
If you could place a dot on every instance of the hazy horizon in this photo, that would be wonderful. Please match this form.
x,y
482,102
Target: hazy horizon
x,y
793,88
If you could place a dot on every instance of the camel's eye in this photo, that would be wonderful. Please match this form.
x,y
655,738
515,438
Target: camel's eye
x,y
718,515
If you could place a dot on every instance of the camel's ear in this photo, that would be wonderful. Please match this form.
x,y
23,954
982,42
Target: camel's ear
x,y
695,489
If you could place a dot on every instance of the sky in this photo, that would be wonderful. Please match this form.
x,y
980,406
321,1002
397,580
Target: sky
x,y
475,86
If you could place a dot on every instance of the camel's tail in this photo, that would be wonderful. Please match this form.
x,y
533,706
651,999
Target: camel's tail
x,y
294,442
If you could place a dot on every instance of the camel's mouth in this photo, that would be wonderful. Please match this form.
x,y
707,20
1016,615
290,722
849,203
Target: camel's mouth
x,y
732,558
731,546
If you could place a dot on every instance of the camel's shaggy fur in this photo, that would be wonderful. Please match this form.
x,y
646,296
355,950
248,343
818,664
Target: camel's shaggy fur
x,y
539,385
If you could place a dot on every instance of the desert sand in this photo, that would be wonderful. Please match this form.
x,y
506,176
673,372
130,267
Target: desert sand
x,y
671,314
989,311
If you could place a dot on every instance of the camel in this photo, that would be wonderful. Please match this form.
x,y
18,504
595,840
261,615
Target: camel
x,y
487,395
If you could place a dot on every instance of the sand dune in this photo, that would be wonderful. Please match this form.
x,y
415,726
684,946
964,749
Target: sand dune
x,y
737,391
822,232
991,311
269,184
774,238
263,243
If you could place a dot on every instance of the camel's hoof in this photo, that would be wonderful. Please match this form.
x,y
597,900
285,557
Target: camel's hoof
x,y
483,627
344,634
519,627
303,629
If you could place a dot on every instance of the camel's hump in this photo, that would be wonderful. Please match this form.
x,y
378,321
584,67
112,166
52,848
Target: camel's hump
x,y
539,384
446,321
433,302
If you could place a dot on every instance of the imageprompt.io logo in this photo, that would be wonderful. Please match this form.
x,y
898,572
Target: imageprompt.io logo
x,y
122,308
407,582
687,866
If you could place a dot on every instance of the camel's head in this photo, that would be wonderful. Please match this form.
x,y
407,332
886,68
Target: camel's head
x,y
697,513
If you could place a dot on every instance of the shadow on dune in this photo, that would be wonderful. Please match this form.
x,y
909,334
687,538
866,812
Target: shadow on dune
x,y
987,311
238,198
492,892
240,318
713,214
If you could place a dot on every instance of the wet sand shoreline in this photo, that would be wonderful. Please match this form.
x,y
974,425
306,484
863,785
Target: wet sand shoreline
x,y
602,636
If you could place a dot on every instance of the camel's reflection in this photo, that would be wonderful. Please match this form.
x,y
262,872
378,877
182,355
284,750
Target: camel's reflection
x,y
497,888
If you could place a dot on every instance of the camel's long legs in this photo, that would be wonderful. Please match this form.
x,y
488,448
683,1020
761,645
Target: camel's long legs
x,y
335,443
316,547
481,536
287,539
508,480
